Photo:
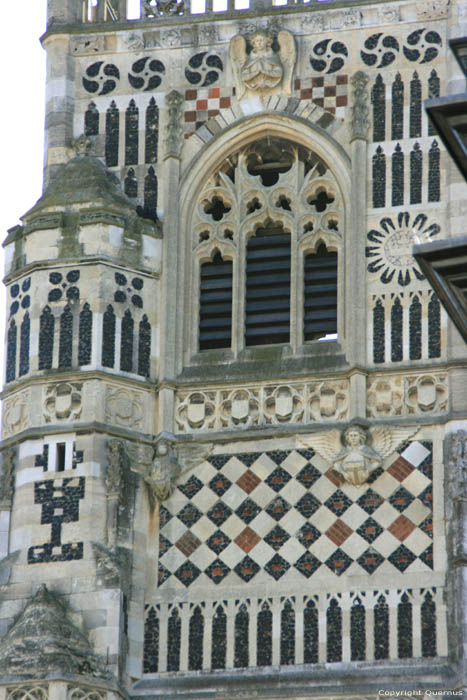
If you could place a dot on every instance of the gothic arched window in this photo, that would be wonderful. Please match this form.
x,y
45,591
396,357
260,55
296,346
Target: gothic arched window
x,y
266,234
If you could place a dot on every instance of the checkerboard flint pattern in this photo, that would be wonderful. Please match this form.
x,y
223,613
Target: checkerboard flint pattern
x,y
329,92
284,515
204,104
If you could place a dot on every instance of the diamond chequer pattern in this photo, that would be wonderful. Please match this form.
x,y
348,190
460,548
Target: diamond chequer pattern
x,y
280,515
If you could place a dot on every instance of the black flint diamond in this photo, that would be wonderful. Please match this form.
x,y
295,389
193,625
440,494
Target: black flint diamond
x,y
246,569
277,567
307,564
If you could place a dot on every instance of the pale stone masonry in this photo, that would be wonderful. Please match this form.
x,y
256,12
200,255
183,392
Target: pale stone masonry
x,y
234,412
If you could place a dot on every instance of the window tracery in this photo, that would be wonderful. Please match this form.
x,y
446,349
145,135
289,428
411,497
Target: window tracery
x,y
268,208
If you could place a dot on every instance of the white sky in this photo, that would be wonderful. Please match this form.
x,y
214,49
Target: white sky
x,y
22,117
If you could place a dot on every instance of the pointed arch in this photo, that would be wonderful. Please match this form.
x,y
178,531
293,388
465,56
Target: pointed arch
x,y
241,646
65,348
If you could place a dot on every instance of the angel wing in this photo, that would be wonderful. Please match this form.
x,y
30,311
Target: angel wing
x,y
327,444
288,55
190,455
238,57
387,439
139,454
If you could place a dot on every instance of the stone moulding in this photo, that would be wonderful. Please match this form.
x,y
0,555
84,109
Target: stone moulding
x,y
273,404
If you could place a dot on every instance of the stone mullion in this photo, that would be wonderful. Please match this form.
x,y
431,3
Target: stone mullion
x,y
276,609
207,635
345,608
236,310
387,304
424,300
299,635
441,627
56,339
405,303
416,600
163,636
369,603
322,630
118,341
230,634
253,632
393,602
96,342
296,285
184,635
239,289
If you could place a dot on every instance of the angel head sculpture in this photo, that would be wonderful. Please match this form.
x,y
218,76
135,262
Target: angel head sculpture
x,y
357,451
262,70
162,463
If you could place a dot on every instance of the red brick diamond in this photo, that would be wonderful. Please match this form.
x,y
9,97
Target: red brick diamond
x,y
188,543
247,539
338,532
400,469
248,481
334,477
401,528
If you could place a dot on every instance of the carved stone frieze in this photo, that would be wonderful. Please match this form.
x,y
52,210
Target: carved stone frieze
x,y
329,400
197,410
263,70
427,394
283,404
385,396
388,14
28,692
270,404
63,401
124,407
321,22
87,45
15,414
76,692
399,395
239,408
432,9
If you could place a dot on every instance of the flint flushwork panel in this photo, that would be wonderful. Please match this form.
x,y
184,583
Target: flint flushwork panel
x,y
372,629
282,515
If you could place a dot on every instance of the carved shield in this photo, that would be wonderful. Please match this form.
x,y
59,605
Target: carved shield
x,y
196,412
240,408
63,404
123,408
284,405
426,395
328,404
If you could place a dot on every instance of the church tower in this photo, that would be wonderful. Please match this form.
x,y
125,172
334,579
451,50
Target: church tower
x,y
234,422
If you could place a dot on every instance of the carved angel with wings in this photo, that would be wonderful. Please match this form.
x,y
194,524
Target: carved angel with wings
x,y
356,451
161,465
263,70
